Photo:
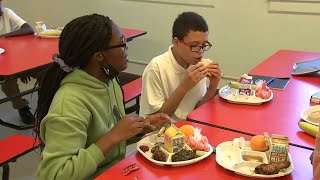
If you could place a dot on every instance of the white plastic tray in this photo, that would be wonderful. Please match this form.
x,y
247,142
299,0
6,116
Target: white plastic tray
x,y
150,142
230,157
232,96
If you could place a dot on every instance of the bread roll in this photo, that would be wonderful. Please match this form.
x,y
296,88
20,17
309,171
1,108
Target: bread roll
x,y
206,62
315,116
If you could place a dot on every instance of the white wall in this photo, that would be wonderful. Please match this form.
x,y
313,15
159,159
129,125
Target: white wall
x,y
243,32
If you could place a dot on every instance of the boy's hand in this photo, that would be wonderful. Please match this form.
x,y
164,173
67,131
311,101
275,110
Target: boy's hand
x,y
214,73
195,73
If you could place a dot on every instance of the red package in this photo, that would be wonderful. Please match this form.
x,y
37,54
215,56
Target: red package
x,y
129,169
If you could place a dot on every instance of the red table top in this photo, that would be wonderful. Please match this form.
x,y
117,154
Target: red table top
x,y
205,169
132,33
281,115
27,52
132,89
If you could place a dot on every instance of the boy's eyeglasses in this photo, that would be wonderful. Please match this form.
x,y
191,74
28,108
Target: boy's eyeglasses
x,y
196,48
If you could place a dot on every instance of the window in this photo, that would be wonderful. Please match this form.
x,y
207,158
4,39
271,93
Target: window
x,y
294,6
196,3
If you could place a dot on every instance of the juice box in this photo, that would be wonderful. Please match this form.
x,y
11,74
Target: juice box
x,y
245,85
279,148
174,139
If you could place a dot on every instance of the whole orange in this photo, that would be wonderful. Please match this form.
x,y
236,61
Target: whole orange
x,y
187,130
259,143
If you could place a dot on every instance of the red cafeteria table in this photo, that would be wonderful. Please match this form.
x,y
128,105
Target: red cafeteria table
x,y
205,169
279,116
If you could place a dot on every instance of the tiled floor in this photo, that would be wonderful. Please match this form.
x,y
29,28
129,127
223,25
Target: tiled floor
x,y
25,167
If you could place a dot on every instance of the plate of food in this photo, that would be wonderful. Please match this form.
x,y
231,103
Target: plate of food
x,y
245,92
253,159
311,115
48,37
1,50
231,95
52,33
170,147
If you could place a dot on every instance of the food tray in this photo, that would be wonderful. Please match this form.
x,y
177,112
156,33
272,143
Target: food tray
x,y
150,141
232,96
232,158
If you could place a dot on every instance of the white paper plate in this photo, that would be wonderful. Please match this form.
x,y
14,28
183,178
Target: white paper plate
x,y
1,50
229,157
304,114
151,140
232,96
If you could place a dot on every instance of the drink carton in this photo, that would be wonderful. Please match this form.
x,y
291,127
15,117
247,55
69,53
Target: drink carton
x,y
245,85
174,139
40,27
279,148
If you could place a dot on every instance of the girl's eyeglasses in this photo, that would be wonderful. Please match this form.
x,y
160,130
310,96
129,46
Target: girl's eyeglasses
x,y
123,45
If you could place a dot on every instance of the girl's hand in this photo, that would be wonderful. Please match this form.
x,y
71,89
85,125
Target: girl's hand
x,y
128,127
155,121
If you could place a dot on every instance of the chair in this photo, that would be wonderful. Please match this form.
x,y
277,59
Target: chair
x,y
132,86
131,91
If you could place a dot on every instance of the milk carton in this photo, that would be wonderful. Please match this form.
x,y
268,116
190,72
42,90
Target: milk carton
x,y
40,27
245,85
279,148
174,139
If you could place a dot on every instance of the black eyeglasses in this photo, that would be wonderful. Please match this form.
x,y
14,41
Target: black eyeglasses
x,y
196,48
123,45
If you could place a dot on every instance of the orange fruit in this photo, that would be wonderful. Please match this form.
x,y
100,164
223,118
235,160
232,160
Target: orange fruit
x,y
259,143
187,130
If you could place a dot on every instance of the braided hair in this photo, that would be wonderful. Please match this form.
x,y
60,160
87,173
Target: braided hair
x,y
79,40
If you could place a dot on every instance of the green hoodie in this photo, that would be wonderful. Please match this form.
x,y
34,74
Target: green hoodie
x,y
80,113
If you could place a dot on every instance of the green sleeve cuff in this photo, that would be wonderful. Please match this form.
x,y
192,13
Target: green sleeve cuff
x,y
96,153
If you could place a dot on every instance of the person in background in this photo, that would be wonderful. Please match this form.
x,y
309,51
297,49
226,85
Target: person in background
x,y
80,110
315,158
12,25
175,82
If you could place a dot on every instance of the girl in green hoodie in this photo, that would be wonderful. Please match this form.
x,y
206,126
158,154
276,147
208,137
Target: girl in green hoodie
x,y
80,110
